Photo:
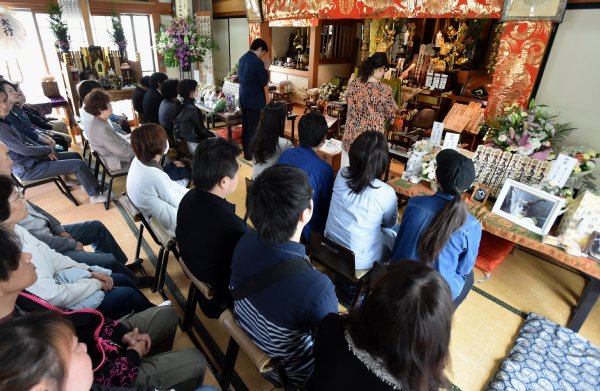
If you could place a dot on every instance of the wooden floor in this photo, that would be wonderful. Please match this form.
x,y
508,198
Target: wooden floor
x,y
484,327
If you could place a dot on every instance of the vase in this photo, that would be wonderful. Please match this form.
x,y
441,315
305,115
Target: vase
x,y
185,71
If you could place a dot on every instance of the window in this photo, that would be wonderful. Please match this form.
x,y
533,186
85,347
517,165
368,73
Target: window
x,y
139,39
101,25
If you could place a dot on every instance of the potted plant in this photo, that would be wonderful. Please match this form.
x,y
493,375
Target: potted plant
x,y
59,28
118,35
180,44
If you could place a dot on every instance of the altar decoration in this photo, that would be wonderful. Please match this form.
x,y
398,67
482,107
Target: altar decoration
x,y
58,27
581,220
329,91
118,35
531,131
180,44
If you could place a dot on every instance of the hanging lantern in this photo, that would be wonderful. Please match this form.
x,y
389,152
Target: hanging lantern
x,y
12,34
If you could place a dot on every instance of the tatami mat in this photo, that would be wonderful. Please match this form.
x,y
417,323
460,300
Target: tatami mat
x,y
484,327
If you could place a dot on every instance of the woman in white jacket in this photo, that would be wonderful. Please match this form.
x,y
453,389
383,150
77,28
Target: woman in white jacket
x,y
61,281
114,149
148,186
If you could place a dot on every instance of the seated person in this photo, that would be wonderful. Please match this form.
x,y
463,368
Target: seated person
x,y
268,143
85,75
55,129
153,97
397,339
32,161
137,100
280,315
114,149
86,118
312,130
169,107
19,120
364,210
118,350
70,239
148,186
439,231
207,226
63,282
189,124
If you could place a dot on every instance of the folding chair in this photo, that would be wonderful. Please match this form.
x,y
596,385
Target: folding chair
x,y
339,260
167,245
62,186
238,338
111,173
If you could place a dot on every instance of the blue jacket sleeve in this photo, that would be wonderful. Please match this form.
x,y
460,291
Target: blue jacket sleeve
x,y
323,304
467,261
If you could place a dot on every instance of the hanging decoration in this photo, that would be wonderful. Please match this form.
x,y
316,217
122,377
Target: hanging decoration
x,y
12,34
118,35
59,28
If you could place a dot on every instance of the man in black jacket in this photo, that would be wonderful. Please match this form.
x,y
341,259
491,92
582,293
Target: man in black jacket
x,y
153,98
137,98
207,226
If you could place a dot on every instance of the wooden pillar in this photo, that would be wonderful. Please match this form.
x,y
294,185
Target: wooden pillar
x,y
520,55
314,55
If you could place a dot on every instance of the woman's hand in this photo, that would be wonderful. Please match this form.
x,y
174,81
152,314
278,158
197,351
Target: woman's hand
x,y
105,280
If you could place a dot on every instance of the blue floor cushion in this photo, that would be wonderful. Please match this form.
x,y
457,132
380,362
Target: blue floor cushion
x,y
549,357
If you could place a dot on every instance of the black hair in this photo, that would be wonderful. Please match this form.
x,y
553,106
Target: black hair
x,y
312,129
406,322
214,159
35,348
443,225
185,87
275,201
85,88
7,187
369,65
145,81
264,143
156,79
369,158
86,73
259,43
168,89
6,82
10,252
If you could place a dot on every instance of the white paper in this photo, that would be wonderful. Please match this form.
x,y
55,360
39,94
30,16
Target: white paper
x,y
436,133
451,141
331,146
330,120
561,170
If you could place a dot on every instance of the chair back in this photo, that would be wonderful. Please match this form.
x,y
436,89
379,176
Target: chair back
x,y
332,255
162,236
132,210
203,287
259,358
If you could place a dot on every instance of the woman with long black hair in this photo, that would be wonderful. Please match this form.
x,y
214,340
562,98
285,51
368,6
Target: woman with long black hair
x,y
268,143
439,231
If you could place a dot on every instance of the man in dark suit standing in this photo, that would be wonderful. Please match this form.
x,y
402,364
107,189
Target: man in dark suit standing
x,y
253,73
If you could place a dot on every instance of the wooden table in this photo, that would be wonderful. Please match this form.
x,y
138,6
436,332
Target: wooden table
x,y
528,241
230,119
206,110
125,93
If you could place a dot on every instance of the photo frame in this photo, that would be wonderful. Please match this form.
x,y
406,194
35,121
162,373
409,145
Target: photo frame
x,y
528,207
592,249
553,10
253,11
480,193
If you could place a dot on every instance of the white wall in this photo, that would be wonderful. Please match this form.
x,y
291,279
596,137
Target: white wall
x,y
571,79
238,39
280,40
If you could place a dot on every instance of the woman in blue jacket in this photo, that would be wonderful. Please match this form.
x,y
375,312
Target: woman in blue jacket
x,y
438,230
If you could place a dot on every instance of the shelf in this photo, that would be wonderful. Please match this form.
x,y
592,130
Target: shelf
x,y
288,71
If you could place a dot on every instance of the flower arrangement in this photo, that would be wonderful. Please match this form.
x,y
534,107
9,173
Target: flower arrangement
x,y
58,27
328,91
429,165
343,93
564,192
587,157
232,76
117,34
180,44
530,132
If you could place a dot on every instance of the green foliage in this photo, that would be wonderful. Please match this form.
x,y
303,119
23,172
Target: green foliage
x,y
58,27
117,34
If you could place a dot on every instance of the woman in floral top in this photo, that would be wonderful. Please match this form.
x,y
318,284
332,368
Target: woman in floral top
x,y
370,102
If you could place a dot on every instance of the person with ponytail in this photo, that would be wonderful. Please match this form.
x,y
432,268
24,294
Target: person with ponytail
x,y
439,231
268,142
370,102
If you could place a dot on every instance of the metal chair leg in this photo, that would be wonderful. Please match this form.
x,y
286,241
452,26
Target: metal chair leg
x,y
163,273
159,262
230,358
107,202
65,190
138,248
190,307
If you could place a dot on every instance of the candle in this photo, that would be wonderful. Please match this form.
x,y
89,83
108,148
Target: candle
x,y
406,38
438,37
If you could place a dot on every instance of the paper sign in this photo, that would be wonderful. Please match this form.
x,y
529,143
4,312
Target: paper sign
x,y
451,141
561,170
436,133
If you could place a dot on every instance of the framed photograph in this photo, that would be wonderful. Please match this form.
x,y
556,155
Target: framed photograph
x,y
253,11
480,193
592,249
528,207
553,10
